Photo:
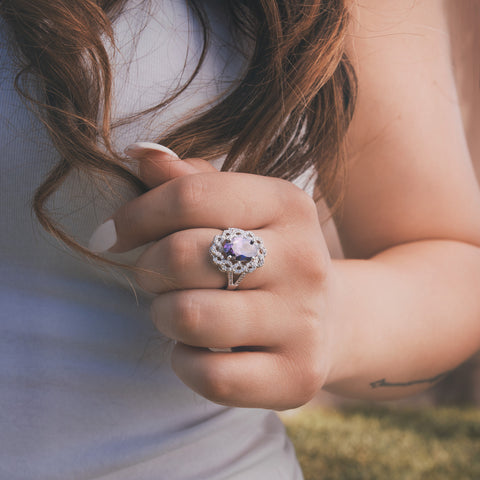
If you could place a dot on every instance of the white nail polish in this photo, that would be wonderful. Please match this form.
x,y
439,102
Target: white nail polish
x,y
103,238
136,149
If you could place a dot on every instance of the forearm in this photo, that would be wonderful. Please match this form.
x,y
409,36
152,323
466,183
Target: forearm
x,y
403,318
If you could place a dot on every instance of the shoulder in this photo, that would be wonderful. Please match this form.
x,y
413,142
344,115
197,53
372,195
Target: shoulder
x,y
410,176
401,54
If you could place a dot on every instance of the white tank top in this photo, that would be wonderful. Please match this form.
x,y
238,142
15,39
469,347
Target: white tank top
x,y
86,390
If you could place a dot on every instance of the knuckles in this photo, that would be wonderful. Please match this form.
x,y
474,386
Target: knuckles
x,y
179,249
217,386
306,251
310,383
183,319
187,316
299,205
307,263
212,382
189,193
172,256
306,377
314,267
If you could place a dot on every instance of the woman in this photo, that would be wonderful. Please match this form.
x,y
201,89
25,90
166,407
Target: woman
x,y
88,389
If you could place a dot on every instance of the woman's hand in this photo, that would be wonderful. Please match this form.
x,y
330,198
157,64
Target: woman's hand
x,y
277,316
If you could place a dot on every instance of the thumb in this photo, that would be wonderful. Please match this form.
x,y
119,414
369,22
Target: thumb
x,y
159,164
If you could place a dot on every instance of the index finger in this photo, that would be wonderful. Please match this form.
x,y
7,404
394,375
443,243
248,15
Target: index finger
x,y
209,200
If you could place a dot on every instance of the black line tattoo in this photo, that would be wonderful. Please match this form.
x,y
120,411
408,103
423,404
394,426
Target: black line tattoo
x,y
384,383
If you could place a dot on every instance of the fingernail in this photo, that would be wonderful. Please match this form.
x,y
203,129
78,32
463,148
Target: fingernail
x,y
103,238
136,149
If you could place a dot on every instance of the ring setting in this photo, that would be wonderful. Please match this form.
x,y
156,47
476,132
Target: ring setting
x,y
237,252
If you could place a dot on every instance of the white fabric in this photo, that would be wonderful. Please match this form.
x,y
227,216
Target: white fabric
x,y
86,390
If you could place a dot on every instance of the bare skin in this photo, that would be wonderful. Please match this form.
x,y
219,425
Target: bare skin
x,y
388,320
464,21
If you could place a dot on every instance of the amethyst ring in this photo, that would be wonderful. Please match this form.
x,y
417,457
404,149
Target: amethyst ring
x,y
237,252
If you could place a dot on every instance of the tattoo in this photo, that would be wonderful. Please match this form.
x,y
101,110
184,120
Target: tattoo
x,y
384,383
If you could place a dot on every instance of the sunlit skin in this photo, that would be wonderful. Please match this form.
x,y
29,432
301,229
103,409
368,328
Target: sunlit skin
x,y
402,307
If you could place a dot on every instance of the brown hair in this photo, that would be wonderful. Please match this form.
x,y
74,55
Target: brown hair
x,y
289,112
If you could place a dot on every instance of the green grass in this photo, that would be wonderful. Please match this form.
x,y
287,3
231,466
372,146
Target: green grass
x,y
387,443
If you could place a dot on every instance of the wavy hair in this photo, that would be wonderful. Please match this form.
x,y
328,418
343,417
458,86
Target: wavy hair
x,y
289,112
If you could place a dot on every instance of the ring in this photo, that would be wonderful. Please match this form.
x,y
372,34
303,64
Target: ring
x,y
237,252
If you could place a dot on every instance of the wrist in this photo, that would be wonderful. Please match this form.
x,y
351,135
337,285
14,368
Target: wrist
x,y
339,328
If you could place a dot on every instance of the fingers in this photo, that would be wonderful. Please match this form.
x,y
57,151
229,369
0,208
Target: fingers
x,y
190,194
182,261
220,318
211,200
244,379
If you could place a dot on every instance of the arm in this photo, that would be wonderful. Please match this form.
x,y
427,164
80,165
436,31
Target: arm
x,y
410,225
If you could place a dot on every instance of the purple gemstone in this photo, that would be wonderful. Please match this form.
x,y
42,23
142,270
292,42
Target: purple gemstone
x,y
243,249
